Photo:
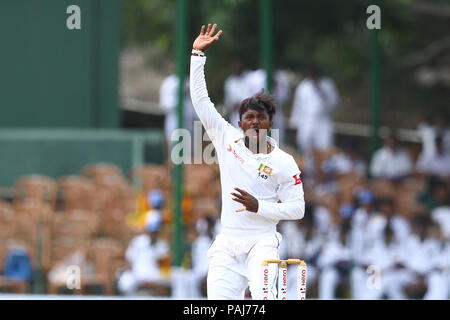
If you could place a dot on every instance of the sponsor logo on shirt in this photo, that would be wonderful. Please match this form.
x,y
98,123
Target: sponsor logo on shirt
x,y
230,149
297,179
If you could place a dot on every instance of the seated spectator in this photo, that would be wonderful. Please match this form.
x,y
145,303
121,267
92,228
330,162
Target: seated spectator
x,y
348,160
200,262
144,254
441,216
424,254
442,128
334,263
391,162
365,199
191,283
77,261
156,200
436,162
427,134
444,268
386,215
435,195
379,271
17,266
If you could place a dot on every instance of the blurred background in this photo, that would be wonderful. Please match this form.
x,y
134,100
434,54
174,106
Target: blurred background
x,y
91,202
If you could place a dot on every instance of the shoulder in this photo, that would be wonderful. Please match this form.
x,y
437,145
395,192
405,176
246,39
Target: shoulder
x,y
286,163
283,156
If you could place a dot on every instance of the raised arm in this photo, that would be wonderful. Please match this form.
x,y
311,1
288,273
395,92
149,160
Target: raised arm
x,y
213,122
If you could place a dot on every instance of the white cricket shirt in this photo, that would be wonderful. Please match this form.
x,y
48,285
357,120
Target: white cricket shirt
x,y
268,177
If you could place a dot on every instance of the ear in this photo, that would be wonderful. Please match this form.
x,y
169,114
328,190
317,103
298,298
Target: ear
x,y
270,124
240,124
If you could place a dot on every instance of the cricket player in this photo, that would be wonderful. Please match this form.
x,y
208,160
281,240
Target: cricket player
x,y
260,183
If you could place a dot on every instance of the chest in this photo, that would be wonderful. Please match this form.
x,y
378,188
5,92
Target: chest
x,y
256,173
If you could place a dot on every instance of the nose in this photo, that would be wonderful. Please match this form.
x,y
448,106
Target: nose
x,y
255,121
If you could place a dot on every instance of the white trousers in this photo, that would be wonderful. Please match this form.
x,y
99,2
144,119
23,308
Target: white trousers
x,y
235,264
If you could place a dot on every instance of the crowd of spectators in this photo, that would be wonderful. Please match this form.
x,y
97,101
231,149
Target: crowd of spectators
x,y
374,228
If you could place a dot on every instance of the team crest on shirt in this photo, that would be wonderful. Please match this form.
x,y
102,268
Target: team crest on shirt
x,y
265,169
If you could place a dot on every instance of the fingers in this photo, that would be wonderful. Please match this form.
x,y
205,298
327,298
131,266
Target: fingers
x,y
243,192
213,29
202,31
209,29
238,196
241,209
218,35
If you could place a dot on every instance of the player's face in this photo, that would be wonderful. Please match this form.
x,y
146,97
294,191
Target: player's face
x,y
255,123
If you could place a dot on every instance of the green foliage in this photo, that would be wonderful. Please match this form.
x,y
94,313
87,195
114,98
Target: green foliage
x,y
331,32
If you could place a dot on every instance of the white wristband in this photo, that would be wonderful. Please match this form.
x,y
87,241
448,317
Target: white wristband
x,y
198,52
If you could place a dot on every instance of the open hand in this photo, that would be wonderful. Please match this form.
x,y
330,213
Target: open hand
x,y
206,39
250,202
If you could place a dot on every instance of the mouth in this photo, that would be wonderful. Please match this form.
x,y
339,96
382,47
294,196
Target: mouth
x,y
255,132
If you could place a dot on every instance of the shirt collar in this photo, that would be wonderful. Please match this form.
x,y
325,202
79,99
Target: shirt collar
x,y
240,138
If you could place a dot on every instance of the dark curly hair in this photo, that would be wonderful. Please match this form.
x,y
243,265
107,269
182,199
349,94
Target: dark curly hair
x,y
259,102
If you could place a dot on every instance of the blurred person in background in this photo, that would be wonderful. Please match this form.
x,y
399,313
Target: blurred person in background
x,y
435,162
143,254
155,198
444,267
206,229
441,216
386,215
81,257
315,99
17,267
427,135
442,129
435,195
424,255
305,241
379,272
235,89
168,102
191,283
428,128
364,210
391,161
334,265
349,160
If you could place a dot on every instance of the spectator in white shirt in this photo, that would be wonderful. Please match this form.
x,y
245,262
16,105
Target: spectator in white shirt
x,y
435,162
391,161
168,102
235,89
334,263
386,216
314,100
380,271
424,258
365,209
143,255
